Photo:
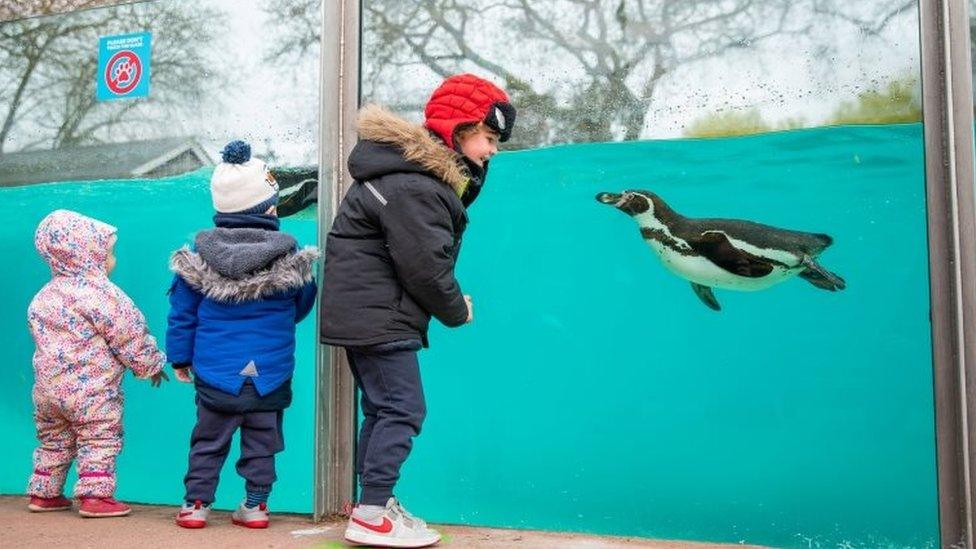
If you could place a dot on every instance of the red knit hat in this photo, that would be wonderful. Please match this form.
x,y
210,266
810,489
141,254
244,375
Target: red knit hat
x,y
466,98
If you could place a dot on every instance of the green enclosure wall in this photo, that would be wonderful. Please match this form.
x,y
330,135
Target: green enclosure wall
x,y
595,392
153,218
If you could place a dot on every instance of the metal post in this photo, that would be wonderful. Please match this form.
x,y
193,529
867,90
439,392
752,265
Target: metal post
x,y
335,424
948,127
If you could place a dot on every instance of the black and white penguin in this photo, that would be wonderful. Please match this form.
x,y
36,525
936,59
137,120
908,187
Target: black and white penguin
x,y
299,188
724,253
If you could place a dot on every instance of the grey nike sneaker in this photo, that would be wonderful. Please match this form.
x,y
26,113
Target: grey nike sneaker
x,y
389,526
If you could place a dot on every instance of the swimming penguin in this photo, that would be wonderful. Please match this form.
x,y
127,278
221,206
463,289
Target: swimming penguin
x,y
299,188
724,253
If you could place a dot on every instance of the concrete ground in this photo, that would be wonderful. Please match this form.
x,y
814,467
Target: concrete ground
x,y
151,526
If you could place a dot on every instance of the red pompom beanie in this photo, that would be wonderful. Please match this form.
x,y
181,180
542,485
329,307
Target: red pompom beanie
x,y
466,98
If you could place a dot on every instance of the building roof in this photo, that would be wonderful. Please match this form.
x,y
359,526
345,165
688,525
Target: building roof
x,y
109,161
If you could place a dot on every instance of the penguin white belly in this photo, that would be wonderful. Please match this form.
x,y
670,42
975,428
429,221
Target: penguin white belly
x,y
698,269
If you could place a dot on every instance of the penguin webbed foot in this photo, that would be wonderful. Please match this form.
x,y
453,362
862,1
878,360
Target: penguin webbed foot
x,y
705,294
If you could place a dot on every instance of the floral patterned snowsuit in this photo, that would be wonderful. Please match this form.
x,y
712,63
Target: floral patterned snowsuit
x,y
86,332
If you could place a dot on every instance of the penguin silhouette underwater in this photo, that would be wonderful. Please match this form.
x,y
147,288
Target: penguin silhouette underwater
x,y
724,253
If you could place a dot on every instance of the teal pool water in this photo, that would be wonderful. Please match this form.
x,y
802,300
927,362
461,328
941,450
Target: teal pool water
x,y
153,218
595,392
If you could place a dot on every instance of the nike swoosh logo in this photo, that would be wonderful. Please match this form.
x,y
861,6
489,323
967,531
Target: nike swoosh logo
x,y
184,514
383,528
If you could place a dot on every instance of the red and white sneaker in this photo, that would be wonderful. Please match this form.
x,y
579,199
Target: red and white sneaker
x,y
42,505
103,507
251,517
390,526
193,515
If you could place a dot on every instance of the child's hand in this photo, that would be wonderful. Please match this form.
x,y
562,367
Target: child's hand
x,y
470,304
183,375
158,378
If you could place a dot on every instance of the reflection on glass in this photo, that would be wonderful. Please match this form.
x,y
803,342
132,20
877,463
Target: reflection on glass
x,y
205,83
600,71
750,142
220,70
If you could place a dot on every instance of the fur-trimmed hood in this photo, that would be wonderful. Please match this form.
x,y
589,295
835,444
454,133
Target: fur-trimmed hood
x,y
291,271
391,144
236,253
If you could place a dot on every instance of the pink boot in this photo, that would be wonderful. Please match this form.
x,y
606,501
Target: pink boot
x,y
103,507
42,505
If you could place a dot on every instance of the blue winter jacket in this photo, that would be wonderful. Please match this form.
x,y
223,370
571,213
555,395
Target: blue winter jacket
x,y
234,304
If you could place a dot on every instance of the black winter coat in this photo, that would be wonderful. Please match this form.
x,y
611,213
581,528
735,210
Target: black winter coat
x,y
390,254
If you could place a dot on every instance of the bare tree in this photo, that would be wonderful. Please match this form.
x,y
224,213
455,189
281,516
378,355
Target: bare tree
x,y
579,70
17,9
27,45
53,61
870,18
621,50
297,29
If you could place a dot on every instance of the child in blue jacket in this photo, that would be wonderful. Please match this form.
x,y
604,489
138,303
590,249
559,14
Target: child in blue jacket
x,y
234,303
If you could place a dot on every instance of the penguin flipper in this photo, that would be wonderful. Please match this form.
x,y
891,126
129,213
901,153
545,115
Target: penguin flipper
x,y
705,294
815,274
716,247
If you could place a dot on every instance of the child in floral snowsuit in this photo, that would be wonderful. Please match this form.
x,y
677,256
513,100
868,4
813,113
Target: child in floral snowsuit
x,y
86,332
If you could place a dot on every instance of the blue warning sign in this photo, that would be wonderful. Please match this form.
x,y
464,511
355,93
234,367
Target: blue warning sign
x,y
123,66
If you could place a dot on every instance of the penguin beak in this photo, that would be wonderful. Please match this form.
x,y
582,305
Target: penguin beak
x,y
610,199
613,199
